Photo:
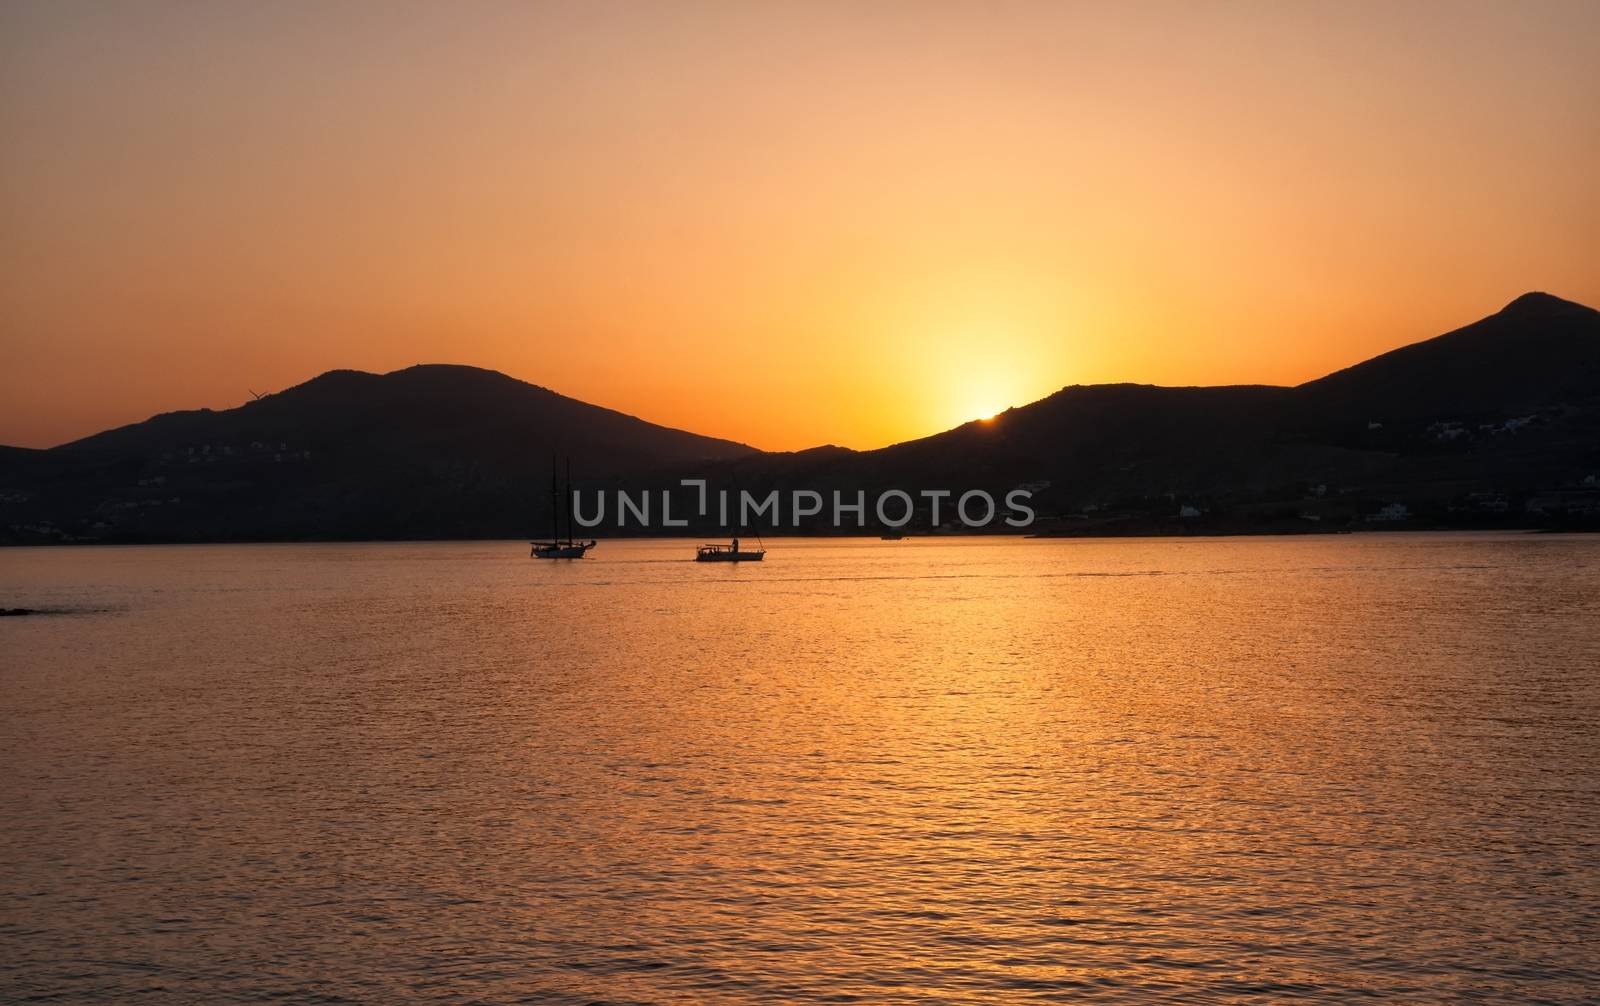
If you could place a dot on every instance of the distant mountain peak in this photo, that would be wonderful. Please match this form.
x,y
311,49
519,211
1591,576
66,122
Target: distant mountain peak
x,y
425,381
1537,303
452,370
459,413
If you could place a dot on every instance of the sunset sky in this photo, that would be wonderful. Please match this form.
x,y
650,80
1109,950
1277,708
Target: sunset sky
x,y
787,224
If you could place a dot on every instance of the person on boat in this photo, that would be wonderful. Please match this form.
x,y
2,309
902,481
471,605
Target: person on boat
x,y
736,545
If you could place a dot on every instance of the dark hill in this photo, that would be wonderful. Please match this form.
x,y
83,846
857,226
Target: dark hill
x,y
1538,354
1539,349
1485,425
427,411
430,451
1482,419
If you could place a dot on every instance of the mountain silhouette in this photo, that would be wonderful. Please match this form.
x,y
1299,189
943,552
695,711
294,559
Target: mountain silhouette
x,y
432,450
1482,426
1504,408
1495,412
1537,350
1536,353
430,411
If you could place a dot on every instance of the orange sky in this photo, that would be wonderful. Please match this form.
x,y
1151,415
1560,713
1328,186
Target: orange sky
x,y
787,224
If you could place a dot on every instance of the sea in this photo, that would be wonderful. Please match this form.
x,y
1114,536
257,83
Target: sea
x,y
1325,769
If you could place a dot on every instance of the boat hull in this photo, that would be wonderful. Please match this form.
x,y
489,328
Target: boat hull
x,y
551,551
726,556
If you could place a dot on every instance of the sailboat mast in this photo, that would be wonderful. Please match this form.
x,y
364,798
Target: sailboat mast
x,y
555,493
567,500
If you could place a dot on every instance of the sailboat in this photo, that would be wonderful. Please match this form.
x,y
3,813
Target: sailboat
x,y
731,552
556,547
728,553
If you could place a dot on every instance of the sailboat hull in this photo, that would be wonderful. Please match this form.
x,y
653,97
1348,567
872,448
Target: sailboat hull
x,y
725,555
553,551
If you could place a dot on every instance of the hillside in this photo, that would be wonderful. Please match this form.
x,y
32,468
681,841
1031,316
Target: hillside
x,y
1494,424
1539,349
1476,427
427,410
428,451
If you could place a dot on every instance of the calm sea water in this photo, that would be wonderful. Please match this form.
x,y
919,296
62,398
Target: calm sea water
x,y
1240,770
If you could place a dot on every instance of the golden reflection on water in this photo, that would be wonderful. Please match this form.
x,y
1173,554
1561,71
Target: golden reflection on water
x,y
941,770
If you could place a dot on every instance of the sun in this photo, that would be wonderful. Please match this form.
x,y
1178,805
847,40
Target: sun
x,y
982,404
986,404
980,400
966,393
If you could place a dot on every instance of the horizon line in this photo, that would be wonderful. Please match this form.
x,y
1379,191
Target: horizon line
x,y
1531,295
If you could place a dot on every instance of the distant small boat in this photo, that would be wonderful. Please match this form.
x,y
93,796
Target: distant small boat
x,y
556,548
560,550
728,553
891,537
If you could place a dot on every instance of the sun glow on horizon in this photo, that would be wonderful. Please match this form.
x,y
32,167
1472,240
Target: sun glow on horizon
x,y
982,396
786,225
